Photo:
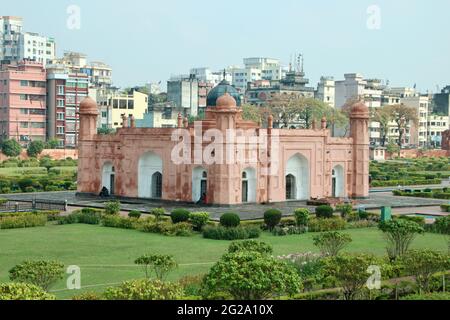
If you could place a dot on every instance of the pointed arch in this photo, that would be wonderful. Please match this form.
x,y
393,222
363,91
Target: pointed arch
x,y
297,178
150,176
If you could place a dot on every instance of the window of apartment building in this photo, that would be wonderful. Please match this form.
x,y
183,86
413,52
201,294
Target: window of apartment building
x,y
23,96
37,112
38,125
130,104
23,111
24,83
115,104
60,130
122,104
60,116
70,126
60,103
60,90
104,114
70,99
70,113
24,125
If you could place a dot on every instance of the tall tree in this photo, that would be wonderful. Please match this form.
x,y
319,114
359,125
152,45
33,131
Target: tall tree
x,y
403,116
383,116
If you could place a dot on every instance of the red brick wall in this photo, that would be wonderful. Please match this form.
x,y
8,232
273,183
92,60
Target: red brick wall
x,y
59,154
412,154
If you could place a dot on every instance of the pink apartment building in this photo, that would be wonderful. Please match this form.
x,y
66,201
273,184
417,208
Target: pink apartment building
x,y
23,102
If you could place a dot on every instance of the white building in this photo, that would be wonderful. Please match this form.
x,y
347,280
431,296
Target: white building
x,y
437,124
16,45
419,136
326,91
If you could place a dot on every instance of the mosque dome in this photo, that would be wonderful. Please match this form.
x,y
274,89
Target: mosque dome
x,y
88,105
359,107
221,89
226,102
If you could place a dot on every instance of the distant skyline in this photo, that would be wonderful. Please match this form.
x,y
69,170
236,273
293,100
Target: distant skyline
x,y
148,41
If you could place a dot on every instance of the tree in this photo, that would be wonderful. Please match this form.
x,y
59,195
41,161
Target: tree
x,y
403,116
35,148
423,264
11,148
350,271
160,264
40,273
145,290
23,291
330,243
399,234
52,144
383,116
290,109
252,113
250,275
442,226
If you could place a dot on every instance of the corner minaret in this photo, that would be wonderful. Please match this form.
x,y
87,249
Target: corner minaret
x,y
359,132
88,118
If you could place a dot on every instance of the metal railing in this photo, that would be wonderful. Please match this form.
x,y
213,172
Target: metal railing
x,y
33,205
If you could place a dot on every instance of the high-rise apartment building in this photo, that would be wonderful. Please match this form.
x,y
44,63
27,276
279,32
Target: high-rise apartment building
x,y
23,101
16,45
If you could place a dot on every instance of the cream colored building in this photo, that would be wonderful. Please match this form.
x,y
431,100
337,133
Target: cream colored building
x,y
437,124
114,106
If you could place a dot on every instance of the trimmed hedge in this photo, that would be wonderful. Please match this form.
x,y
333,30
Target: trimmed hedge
x,y
272,218
324,211
180,215
330,224
231,233
230,220
182,229
23,221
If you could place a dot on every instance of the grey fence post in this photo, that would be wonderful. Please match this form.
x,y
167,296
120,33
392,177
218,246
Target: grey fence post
x,y
16,207
34,204
65,205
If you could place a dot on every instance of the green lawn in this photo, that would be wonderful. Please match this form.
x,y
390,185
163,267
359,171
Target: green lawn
x,y
106,255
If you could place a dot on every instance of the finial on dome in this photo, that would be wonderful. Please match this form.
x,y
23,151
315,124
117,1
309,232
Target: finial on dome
x,y
88,106
324,123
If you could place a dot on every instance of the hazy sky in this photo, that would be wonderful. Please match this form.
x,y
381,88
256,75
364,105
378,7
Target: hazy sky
x,y
150,40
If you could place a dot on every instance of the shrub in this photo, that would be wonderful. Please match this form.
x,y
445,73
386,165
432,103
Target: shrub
x,y
422,264
89,216
3,201
322,225
145,290
199,220
309,267
87,296
160,264
237,233
11,148
445,207
35,148
181,229
112,208
250,275
324,211
134,214
180,215
23,291
70,219
288,230
442,296
40,273
23,220
158,213
272,218
230,220
302,216
350,272
399,235
418,220
331,243
250,245
344,209
116,221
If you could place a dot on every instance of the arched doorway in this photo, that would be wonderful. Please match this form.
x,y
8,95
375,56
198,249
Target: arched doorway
x,y
108,177
150,176
199,184
338,183
297,178
290,187
249,186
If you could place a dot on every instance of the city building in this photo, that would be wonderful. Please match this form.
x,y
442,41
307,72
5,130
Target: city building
x,y
441,102
262,91
115,106
65,90
184,94
326,91
23,101
149,163
160,115
436,126
99,73
17,45
418,136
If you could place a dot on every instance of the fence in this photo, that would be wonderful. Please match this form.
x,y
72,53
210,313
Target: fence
x,y
33,205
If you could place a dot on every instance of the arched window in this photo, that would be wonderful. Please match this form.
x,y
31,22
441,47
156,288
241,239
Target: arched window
x,y
244,175
157,185
291,193
205,175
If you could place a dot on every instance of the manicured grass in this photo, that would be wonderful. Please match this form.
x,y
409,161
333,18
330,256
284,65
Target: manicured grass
x,y
17,172
106,255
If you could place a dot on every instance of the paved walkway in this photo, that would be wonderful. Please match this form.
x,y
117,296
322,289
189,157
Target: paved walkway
x,y
247,212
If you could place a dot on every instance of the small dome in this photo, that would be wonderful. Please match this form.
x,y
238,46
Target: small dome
x,y
360,107
219,91
226,102
88,105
